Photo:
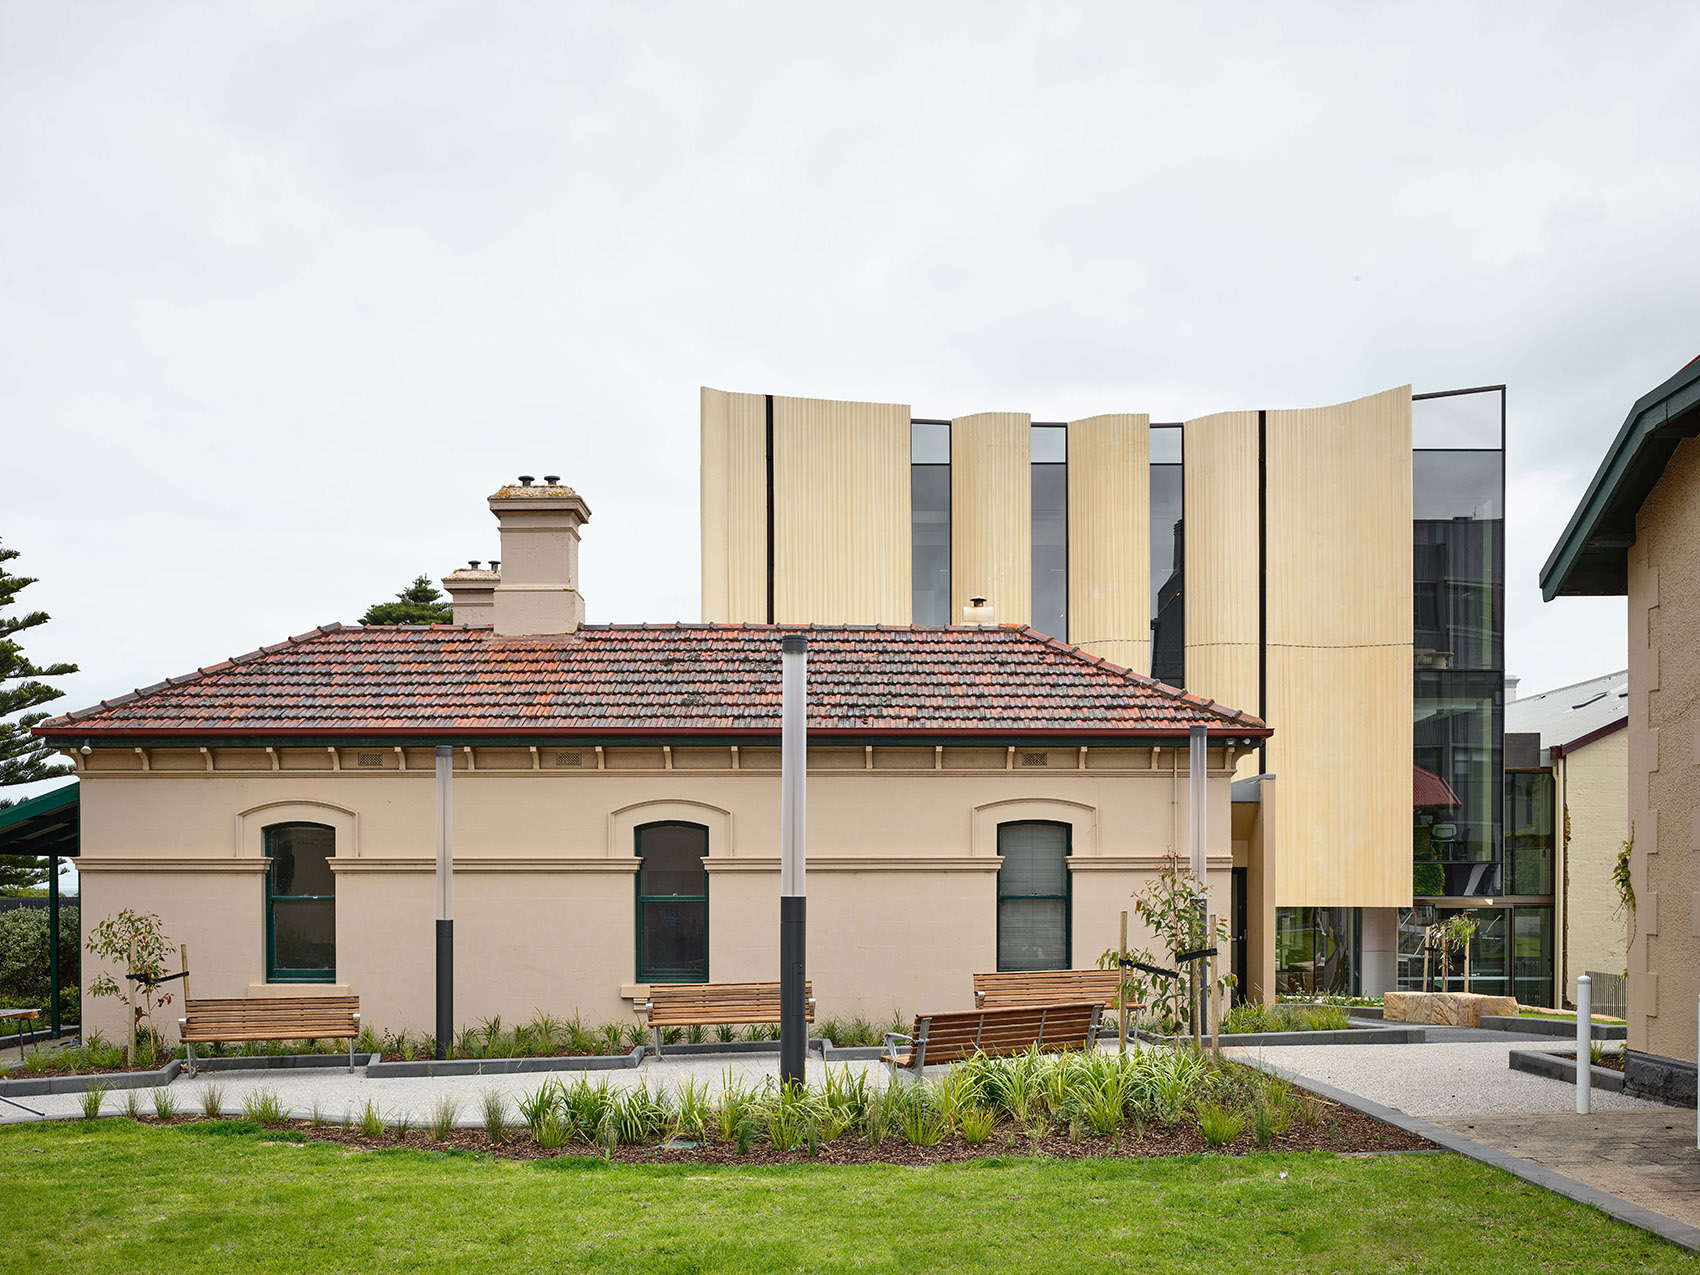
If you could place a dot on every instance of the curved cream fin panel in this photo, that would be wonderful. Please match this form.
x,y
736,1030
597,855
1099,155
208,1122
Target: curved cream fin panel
x,y
1219,526
1338,483
734,507
1109,538
841,512
991,514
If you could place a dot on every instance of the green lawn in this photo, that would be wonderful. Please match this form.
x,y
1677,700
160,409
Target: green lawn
x,y
117,1196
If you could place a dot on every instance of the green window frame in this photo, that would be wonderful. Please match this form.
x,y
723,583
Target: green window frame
x,y
295,973
673,909
1034,874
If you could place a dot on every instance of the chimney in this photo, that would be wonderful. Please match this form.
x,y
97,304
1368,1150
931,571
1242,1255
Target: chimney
x,y
1511,680
537,588
473,593
977,612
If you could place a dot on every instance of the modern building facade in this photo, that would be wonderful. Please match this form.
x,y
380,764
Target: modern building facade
x,y
1636,534
979,798
1337,570
1567,819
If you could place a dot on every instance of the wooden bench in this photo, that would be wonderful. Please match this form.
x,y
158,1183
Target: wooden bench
x,y
270,1018
18,1017
1048,987
946,1038
712,1004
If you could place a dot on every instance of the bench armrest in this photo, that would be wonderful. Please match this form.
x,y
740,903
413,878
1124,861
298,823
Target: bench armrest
x,y
979,999
891,1039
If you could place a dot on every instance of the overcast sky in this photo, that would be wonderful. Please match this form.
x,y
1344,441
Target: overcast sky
x,y
288,289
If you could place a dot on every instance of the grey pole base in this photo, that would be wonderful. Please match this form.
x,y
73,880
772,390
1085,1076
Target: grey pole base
x,y
793,1022
445,987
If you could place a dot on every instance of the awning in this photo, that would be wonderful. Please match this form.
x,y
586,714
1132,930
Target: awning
x,y
50,824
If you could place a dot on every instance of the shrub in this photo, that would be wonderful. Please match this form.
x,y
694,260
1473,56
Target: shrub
x,y
25,978
264,1107
495,1113
976,1124
91,1099
370,1121
443,1116
1220,1125
212,1101
164,1103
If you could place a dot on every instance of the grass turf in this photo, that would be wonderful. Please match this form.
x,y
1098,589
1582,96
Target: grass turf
x,y
117,1195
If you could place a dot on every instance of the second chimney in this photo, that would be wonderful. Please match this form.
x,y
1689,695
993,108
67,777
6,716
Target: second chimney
x,y
537,589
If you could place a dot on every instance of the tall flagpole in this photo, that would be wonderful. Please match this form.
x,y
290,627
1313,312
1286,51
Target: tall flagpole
x,y
793,841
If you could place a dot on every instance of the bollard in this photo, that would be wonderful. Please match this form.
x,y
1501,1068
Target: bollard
x,y
1584,1042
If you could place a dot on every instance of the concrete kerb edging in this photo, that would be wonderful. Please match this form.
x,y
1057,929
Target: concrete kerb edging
x,y
37,1085
506,1066
1666,1228
817,1045
1539,1062
1378,1035
1551,1027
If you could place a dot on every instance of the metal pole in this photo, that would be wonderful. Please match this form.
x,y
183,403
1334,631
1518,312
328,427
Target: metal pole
x,y
53,944
1197,790
445,900
1121,994
793,857
1584,1043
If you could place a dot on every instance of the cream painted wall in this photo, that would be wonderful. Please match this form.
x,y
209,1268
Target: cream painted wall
x,y
902,879
1664,760
1593,784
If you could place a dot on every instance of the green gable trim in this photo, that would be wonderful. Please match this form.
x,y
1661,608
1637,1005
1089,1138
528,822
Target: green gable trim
x,y
1592,556
50,824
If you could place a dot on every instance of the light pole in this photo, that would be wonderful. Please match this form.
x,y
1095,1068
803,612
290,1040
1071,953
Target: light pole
x,y
793,841
1198,791
445,900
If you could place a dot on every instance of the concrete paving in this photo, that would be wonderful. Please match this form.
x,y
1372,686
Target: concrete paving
x,y
1464,1072
336,1092
1647,1156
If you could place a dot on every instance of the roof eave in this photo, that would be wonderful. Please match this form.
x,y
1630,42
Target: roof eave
x,y
1591,557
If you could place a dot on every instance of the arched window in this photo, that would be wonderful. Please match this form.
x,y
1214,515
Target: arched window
x,y
1033,896
672,903
300,904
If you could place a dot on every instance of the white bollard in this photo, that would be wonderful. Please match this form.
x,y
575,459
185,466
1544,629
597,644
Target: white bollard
x,y
1584,1043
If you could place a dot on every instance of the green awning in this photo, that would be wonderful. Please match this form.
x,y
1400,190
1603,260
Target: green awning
x,y
50,824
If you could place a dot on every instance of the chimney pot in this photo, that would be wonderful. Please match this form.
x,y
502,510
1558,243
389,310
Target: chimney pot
x,y
979,602
554,480
495,564
473,563
525,480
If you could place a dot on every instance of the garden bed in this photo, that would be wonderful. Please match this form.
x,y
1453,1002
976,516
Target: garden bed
x,y
1340,1129
1544,1025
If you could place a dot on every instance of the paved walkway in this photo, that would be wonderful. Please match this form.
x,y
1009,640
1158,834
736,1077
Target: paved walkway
x,y
1464,1073
336,1092
1461,1080
1647,1156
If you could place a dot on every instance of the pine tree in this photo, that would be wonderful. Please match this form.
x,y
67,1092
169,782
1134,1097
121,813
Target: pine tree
x,y
23,758
420,603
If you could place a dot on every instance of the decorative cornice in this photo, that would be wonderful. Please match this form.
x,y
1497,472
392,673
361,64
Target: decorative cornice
x,y
539,863
137,863
860,863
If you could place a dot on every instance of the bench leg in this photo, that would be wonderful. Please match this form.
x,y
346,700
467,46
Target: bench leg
x,y
655,1032
189,1045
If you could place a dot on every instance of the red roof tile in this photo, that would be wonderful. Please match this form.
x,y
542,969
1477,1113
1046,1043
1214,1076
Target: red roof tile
x,y
656,679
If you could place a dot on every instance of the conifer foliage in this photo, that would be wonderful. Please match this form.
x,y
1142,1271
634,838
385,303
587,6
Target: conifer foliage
x,y
420,603
23,758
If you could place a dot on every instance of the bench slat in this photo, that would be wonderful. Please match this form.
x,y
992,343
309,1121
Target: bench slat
x,y
951,1037
713,1004
269,1018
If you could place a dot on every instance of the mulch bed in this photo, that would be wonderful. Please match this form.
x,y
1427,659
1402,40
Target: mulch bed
x,y
1340,1129
1610,1061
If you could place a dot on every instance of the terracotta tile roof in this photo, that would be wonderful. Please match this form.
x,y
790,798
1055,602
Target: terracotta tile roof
x,y
656,679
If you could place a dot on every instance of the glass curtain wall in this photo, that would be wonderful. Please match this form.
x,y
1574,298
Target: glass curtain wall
x,y
1316,951
1050,530
1168,498
929,521
1458,499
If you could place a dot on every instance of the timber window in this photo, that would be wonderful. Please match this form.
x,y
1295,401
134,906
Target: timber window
x,y
1033,896
300,904
672,903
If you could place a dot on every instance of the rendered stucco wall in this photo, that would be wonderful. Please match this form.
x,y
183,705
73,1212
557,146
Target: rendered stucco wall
x,y
1664,760
1594,786
902,864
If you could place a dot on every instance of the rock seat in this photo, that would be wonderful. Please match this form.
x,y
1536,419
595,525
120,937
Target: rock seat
x,y
1445,1009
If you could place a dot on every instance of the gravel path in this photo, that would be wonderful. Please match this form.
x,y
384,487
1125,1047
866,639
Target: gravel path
x,y
337,1092
1441,1079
